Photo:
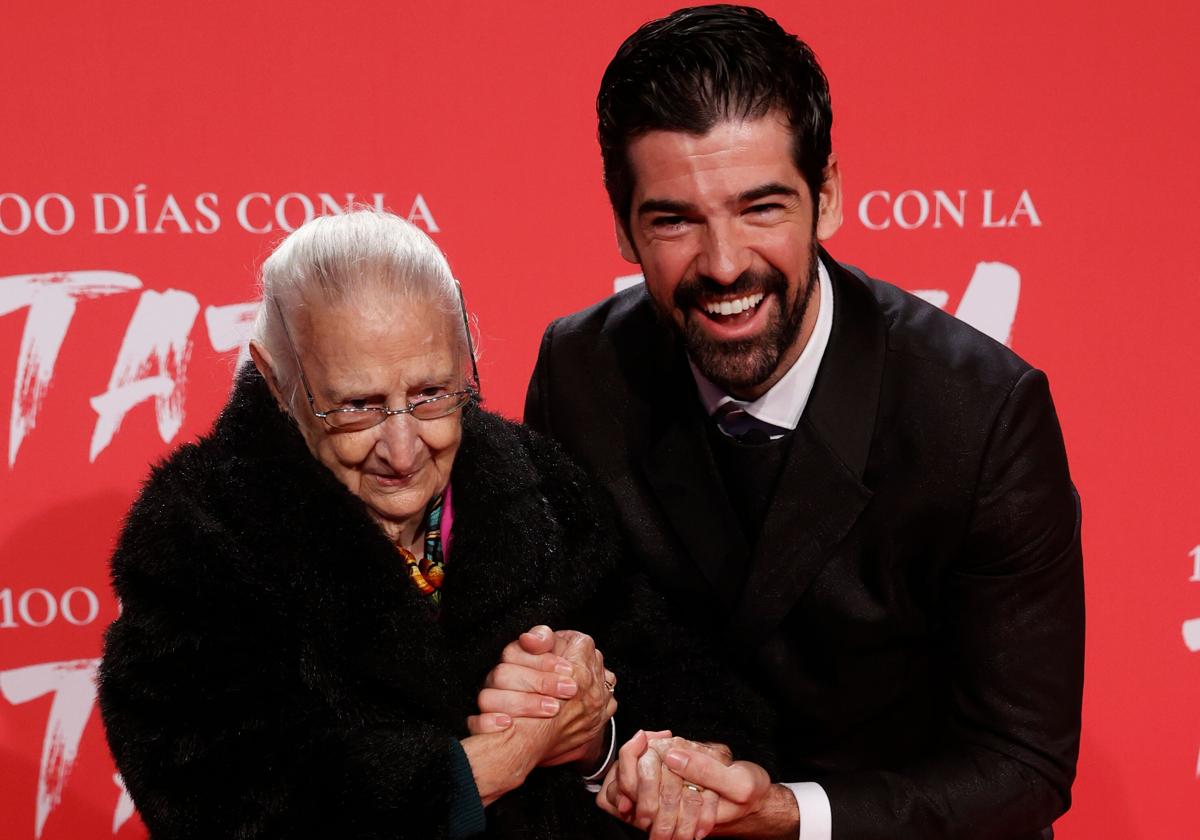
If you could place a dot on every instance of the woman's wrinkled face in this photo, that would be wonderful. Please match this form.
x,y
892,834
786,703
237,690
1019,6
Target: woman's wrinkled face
x,y
384,353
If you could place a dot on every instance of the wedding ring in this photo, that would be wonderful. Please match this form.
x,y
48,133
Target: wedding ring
x,y
691,786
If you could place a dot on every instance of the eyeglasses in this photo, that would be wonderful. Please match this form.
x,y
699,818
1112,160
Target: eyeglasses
x,y
360,419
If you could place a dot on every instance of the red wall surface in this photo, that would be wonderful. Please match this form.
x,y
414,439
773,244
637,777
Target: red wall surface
x,y
1053,146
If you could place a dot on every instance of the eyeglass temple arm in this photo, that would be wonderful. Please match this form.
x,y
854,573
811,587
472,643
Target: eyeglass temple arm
x,y
296,355
462,304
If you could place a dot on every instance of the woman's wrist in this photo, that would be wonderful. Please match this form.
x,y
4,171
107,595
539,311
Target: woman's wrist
x,y
499,762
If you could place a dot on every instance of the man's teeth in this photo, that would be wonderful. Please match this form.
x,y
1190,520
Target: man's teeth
x,y
733,307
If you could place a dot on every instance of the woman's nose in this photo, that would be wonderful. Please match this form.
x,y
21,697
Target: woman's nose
x,y
400,442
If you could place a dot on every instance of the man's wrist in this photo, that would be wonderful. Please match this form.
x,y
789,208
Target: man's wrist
x,y
776,817
816,816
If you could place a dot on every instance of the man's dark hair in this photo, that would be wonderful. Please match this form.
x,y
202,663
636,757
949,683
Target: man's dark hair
x,y
700,66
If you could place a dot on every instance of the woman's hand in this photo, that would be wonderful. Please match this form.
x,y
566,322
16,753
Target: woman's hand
x,y
680,789
642,789
500,760
558,676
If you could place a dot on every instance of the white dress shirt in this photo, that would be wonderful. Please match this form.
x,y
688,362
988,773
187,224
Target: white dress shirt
x,y
782,406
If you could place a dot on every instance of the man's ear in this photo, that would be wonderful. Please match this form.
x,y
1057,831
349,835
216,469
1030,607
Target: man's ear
x,y
829,210
624,245
262,361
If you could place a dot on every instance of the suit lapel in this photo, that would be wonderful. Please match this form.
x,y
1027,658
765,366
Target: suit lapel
x,y
816,503
820,493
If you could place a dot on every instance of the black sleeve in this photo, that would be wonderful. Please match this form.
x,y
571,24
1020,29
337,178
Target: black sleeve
x,y
1014,618
537,398
466,808
221,728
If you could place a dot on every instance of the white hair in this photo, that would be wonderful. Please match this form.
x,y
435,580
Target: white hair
x,y
356,258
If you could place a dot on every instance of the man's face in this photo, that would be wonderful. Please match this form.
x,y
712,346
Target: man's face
x,y
725,232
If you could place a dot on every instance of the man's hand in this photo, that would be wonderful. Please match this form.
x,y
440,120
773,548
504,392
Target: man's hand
x,y
551,675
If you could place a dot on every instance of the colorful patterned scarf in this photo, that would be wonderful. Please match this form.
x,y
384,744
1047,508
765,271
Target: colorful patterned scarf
x,y
428,573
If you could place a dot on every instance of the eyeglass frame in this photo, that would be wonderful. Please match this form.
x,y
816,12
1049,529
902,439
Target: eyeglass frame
x,y
472,393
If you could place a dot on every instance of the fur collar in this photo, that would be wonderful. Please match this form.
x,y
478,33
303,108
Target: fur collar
x,y
276,546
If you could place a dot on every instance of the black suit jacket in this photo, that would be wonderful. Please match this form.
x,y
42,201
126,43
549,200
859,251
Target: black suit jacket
x,y
913,605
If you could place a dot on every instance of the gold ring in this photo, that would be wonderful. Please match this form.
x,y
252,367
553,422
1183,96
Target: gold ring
x,y
691,786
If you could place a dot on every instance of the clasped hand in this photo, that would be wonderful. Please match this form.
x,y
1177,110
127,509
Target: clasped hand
x,y
554,685
675,788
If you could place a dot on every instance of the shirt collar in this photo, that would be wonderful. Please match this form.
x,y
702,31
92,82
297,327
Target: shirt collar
x,y
783,404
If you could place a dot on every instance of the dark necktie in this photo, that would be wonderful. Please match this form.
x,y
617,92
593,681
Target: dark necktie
x,y
735,422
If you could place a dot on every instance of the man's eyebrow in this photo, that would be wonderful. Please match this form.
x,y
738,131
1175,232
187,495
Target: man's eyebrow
x,y
765,191
665,205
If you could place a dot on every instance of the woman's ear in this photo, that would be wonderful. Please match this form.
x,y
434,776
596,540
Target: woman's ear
x,y
262,361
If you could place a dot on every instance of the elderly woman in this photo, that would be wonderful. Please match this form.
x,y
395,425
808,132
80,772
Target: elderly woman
x,y
315,592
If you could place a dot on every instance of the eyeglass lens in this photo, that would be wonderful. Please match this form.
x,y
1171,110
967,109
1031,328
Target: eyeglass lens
x,y
357,419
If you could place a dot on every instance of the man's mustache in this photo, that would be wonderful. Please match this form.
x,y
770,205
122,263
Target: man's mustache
x,y
692,290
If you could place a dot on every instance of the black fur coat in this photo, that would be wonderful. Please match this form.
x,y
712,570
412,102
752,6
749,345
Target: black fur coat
x,y
273,673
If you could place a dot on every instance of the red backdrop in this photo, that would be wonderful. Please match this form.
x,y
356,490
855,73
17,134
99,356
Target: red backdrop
x,y
1029,166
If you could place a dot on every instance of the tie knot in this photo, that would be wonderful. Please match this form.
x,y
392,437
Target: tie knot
x,y
735,422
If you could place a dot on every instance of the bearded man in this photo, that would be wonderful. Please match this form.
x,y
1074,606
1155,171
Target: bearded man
x,y
862,501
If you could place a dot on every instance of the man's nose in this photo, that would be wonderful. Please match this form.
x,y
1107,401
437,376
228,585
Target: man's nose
x,y
724,255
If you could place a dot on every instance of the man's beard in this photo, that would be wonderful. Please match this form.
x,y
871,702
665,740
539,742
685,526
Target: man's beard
x,y
737,366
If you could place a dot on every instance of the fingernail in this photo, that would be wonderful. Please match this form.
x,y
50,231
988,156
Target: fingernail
x,y
567,688
676,760
564,667
503,720
550,706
